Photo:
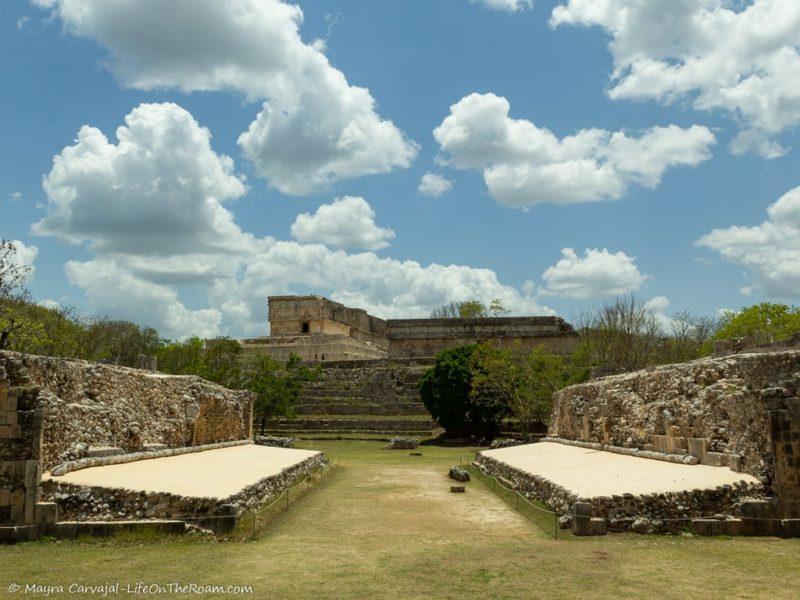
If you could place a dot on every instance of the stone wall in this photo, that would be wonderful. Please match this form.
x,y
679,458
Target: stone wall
x,y
740,411
312,347
56,410
670,512
20,451
410,338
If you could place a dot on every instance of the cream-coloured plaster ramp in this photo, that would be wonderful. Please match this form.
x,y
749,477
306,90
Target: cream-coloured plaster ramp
x,y
590,473
215,473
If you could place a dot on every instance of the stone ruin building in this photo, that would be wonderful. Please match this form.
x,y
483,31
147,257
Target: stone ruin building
x,y
371,366
730,425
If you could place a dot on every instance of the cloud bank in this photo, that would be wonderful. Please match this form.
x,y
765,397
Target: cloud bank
x,y
741,58
524,165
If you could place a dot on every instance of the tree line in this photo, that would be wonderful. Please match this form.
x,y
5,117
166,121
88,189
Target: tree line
x,y
26,326
472,390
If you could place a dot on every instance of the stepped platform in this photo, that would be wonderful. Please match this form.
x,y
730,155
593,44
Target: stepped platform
x,y
420,425
619,488
208,485
592,473
375,396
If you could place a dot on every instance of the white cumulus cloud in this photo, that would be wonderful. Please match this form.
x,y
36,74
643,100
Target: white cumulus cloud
x,y
151,206
506,5
347,222
112,289
769,252
524,165
434,185
25,256
739,57
596,274
159,190
314,128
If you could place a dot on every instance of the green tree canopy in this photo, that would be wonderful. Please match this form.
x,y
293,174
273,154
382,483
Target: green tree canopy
x,y
763,323
445,390
522,383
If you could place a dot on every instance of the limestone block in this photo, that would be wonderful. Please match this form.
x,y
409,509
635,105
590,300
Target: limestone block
x,y
100,451
5,432
5,497
708,527
698,447
676,445
734,526
735,462
716,459
660,443
17,514
598,526
46,512
18,497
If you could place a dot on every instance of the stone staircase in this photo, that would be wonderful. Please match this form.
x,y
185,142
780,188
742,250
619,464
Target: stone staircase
x,y
365,396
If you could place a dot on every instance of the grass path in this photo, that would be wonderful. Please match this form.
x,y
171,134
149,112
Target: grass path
x,y
386,526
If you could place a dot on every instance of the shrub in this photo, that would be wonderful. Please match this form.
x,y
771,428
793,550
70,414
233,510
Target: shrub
x,y
445,390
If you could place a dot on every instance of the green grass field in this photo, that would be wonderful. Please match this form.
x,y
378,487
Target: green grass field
x,y
384,525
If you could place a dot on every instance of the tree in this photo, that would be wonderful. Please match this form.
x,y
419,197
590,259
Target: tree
x,y
497,308
445,390
620,335
469,309
522,383
224,363
690,337
116,341
277,386
472,309
13,295
763,323
178,357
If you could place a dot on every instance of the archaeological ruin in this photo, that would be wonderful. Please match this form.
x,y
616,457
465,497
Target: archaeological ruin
x,y
371,366
724,431
84,445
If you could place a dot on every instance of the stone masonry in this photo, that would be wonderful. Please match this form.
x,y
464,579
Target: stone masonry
x,y
319,330
56,410
739,411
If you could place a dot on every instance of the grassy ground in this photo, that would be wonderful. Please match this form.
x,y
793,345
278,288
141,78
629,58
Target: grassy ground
x,y
385,526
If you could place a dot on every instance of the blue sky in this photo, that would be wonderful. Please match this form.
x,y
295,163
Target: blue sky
x,y
63,69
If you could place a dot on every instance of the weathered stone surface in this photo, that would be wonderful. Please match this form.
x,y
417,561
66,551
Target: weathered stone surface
x,y
663,512
272,440
87,405
505,443
740,411
319,330
458,473
67,411
402,443
83,503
